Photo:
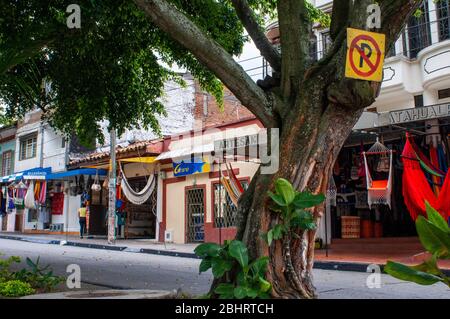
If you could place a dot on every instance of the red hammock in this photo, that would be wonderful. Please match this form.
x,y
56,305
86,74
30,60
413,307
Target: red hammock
x,y
417,190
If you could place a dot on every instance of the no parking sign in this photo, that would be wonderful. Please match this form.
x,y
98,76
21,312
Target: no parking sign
x,y
365,55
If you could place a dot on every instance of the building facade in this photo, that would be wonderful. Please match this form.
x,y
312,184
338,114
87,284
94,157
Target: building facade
x,y
7,154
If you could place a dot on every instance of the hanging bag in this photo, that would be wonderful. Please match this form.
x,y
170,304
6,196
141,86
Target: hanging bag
x,y
96,187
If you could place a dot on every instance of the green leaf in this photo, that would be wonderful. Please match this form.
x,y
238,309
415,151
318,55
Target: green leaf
x,y
278,199
303,220
429,266
285,189
436,219
239,251
264,285
435,240
407,273
278,231
240,292
259,266
252,293
308,200
220,266
208,250
226,291
205,265
270,237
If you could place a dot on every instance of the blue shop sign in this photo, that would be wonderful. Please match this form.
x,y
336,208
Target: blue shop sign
x,y
189,167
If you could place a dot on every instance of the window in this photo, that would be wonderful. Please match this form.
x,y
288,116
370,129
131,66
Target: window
x,y
443,14
326,42
444,94
227,215
28,147
7,163
63,142
418,31
418,100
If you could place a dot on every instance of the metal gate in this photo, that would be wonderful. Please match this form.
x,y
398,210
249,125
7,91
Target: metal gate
x,y
195,215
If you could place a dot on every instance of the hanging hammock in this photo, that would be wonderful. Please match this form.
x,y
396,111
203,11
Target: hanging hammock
x,y
416,188
29,200
379,191
232,185
134,197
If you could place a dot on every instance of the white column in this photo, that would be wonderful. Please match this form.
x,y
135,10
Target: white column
x,y
159,204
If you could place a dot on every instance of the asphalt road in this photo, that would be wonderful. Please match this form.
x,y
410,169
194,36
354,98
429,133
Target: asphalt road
x,y
143,271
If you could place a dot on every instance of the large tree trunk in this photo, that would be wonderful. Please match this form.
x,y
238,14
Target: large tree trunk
x,y
290,269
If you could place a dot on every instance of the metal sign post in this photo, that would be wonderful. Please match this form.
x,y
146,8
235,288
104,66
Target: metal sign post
x,y
112,190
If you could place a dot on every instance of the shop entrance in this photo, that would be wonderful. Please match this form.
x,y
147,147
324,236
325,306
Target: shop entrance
x,y
351,217
141,219
195,214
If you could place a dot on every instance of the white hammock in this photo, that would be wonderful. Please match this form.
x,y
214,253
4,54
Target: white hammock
x,y
134,197
379,191
29,201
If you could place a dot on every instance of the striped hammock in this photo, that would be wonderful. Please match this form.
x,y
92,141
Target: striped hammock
x,y
232,185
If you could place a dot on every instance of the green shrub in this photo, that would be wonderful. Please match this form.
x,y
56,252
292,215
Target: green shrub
x,y
39,277
36,276
15,288
251,282
5,273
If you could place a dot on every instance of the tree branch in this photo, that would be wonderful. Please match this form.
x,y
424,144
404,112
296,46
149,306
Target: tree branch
x,y
268,51
295,28
212,55
339,17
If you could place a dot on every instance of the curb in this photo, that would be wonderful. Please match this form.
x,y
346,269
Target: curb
x,y
323,265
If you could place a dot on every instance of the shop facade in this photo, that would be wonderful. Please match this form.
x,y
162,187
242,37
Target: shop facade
x,y
196,207
7,153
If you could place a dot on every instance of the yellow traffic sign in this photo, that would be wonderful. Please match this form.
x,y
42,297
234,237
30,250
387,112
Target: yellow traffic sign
x,y
365,55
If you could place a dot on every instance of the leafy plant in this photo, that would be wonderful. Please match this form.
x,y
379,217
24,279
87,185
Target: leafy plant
x,y
5,273
15,288
434,234
292,209
39,277
233,255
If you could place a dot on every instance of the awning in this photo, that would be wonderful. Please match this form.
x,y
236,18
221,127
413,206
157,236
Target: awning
x,y
37,173
183,152
147,160
76,172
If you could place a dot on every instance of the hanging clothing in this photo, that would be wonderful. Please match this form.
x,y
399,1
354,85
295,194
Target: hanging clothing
x,y
43,193
416,189
57,203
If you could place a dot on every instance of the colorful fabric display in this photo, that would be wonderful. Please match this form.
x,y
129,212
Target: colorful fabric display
x,y
416,189
43,193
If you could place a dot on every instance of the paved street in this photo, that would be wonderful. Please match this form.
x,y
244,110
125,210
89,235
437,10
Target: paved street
x,y
144,271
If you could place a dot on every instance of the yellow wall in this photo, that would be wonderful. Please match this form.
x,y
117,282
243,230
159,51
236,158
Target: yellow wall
x,y
175,200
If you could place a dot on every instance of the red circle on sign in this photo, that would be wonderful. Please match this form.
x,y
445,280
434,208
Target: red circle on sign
x,y
373,67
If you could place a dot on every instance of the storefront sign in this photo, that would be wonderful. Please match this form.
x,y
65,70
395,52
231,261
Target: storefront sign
x,y
188,167
237,142
415,114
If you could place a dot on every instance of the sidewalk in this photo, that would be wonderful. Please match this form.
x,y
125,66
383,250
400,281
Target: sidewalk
x,y
148,246
341,257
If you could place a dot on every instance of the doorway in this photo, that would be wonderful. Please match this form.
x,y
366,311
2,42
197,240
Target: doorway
x,y
195,214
